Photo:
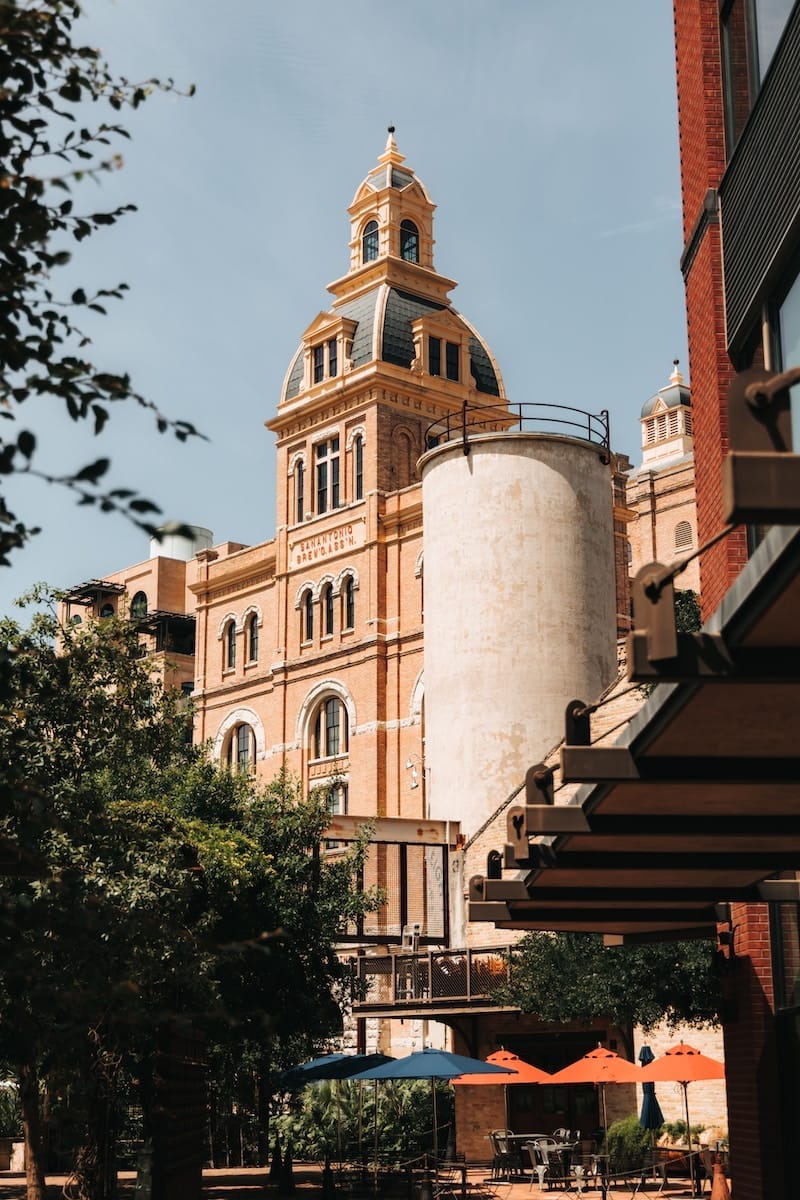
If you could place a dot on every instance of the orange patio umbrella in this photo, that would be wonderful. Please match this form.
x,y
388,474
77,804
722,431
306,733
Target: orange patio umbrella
x,y
522,1072
684,1065
600,1066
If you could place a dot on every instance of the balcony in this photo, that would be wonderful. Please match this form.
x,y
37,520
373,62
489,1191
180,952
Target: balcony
x,y
432,983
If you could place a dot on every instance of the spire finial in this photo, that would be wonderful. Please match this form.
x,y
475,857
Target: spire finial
x,y
676,376
391,154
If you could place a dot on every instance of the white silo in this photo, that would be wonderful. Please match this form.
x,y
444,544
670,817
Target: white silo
x,y
520,607
180,541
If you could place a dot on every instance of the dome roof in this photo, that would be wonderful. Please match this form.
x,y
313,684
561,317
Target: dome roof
x,y
384,317
674,395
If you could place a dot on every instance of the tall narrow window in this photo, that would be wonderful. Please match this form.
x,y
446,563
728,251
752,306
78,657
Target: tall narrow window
x,y
409,241
333,362
369,242
451,360
230,645
319,364
329,731
252,638
241,749
434,356
300,486
308,618
327,609
349,603
358,468
327,456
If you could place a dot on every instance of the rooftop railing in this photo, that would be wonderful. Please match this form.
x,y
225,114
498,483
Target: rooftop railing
x,y
556,419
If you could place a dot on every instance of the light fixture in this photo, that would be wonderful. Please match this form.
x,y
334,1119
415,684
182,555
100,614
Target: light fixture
x,y
411,765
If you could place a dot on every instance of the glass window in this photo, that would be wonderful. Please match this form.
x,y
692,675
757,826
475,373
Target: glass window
x,y
349,603
333,365
139,605
327,456
230,645
252,638
329,736
358,468
308,618
369,242
434,356
327,607
300,483
409,241
107,610
319,363
451,360
771,18
241,746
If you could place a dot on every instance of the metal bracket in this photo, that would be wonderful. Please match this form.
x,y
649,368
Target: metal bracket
x,y
539,784
653,596
759,411
578,725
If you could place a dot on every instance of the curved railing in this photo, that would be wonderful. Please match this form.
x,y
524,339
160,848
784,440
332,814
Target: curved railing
x,y
558,419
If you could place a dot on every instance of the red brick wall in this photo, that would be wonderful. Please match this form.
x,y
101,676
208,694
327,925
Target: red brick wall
x,y
702,150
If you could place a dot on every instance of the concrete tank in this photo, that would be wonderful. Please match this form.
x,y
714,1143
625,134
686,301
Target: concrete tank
x,y
520,608
178,545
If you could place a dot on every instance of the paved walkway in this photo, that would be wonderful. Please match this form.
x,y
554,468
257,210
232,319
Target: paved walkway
x,y
249,1184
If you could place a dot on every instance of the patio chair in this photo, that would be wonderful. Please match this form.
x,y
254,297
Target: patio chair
x,y
505,1159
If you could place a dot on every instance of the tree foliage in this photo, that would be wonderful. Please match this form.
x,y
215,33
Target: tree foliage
x,y
575,977
49,145
150,884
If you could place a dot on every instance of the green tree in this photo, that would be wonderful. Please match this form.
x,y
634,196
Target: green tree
x,y
46,150
575,977
151,885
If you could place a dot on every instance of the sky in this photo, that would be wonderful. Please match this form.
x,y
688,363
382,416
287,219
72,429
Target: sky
x,y
546,134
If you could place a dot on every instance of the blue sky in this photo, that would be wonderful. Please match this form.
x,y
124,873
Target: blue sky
x,y
545,132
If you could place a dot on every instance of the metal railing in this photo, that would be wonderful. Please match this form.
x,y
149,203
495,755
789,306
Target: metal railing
x,y
556,419
434,976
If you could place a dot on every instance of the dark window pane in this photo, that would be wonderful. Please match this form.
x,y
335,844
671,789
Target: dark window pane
x,y
451,352
230,643
331,727
308,609
139,605
409,241
349,604
359,468
332,358
335,482
301,483
319,363
369,242
253,638
434,356
322,487
328,603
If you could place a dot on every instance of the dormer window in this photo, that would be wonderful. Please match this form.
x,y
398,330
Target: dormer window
x,y
452,353
322,353
369,242
409,241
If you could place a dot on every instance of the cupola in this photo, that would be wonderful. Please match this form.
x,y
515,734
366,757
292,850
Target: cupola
x,y
667,423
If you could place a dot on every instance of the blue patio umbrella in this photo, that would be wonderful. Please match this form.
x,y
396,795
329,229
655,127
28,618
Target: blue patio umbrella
x,y
331,1066
433,1065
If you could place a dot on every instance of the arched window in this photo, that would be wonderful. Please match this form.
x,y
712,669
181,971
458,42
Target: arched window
x,y
329,729
683,535
358,468
307,630
300,490
327,610
409,241
139,605
252,638
240,754
349,614
107,610
369,242
230,646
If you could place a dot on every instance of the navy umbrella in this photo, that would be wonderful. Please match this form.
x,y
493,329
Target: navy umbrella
x,y
433,1065
651,1117
331,1066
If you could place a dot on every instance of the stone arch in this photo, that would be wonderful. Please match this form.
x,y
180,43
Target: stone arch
x,y
328,687
240,716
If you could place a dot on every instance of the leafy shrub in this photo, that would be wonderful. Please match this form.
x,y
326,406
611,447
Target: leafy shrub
x,y
628,1144
10,1114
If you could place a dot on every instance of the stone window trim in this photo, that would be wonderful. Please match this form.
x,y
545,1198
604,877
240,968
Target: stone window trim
x,y
419,565
452,338
310,705
235,718
354,432
299,456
